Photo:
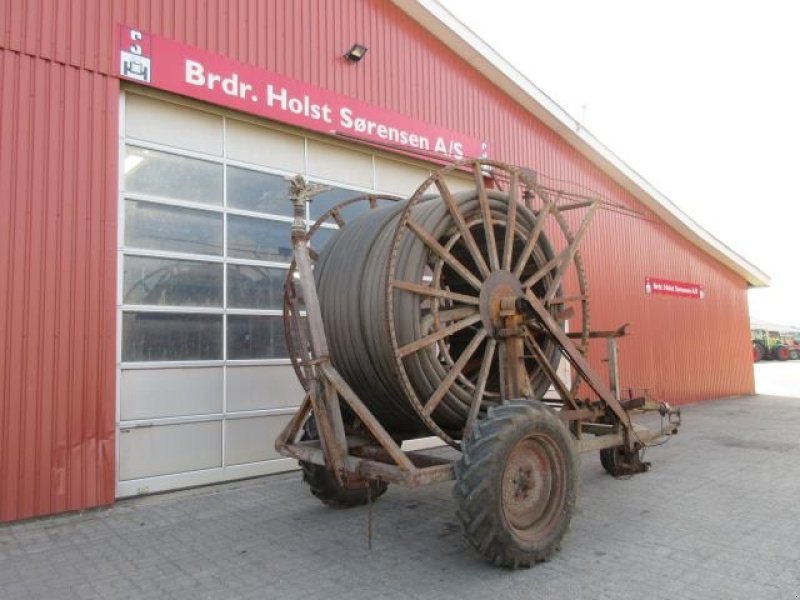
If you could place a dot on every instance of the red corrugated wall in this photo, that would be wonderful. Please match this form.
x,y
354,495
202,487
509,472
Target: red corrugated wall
x,y
58,273
58,166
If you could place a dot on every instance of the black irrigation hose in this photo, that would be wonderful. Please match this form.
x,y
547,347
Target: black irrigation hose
x,y
351,281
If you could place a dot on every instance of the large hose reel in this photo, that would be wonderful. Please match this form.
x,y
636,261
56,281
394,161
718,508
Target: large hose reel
x,y
445,313
410,290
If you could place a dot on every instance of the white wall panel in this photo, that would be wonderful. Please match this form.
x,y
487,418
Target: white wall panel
x,y
459,183
396,177
263,387
265,147
165,449
154,393
252,439
336,163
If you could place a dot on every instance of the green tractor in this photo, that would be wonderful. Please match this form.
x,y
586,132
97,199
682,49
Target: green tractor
x,y
774,345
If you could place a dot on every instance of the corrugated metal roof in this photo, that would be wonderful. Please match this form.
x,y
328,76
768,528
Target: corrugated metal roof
x,y
462,40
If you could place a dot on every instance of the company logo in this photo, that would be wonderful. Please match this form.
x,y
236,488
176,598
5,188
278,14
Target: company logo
x,y
134,62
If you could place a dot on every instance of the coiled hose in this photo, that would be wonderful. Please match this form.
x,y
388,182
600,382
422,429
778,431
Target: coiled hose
x,y
351,279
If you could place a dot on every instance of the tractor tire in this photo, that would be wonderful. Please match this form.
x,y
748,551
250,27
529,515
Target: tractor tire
x,y
780,353
794,354
758,351
516,484
327,489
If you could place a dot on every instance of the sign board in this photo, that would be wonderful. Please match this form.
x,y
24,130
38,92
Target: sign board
x,y
667,287
169,65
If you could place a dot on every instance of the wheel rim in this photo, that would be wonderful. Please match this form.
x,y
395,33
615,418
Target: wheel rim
x,y
533,487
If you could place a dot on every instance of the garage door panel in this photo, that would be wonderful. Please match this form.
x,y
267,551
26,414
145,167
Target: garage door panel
x,y
395,177
266,147
459,184
335,163
172,124
168,449
256,388
205,246
252,439
155,393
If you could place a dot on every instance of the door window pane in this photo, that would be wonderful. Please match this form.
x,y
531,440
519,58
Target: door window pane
x,y
160,227
172,176
169,282
356,209
167,336
301,336
330,198
255,287
259,192
321,237
259,239
326,200
256,337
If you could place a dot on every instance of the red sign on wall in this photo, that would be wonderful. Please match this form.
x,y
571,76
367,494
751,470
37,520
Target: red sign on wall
x,y
175,67
668,287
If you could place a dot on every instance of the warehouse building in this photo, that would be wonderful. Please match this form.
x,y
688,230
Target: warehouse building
x,y
145,231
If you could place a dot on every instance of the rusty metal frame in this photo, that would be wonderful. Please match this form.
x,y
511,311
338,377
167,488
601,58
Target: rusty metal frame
x,y
380,456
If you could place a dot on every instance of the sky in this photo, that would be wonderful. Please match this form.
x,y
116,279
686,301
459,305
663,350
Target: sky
x,y
701,98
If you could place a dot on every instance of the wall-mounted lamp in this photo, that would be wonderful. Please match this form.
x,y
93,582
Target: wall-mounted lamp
x,y
356,53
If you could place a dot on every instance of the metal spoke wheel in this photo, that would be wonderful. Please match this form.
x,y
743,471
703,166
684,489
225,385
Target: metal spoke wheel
x,y
516,484
482,247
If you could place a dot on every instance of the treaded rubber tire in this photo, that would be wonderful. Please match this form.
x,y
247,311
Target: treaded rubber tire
x,y
326,489
619,464
483,484
794,354
609,458
759,351
780,353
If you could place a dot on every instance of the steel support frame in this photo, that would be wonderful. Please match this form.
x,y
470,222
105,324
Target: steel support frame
x,y
381,457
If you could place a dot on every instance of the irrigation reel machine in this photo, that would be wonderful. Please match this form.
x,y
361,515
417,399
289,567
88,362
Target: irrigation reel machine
x,y
444,314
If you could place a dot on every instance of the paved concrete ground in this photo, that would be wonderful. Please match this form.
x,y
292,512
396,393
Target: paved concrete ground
x,y
717,518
